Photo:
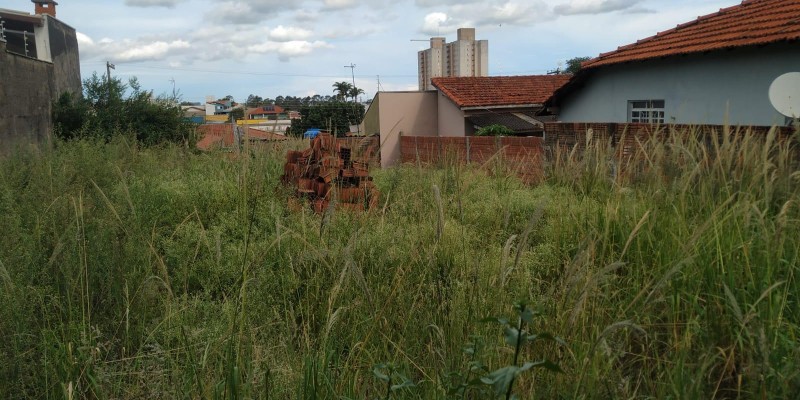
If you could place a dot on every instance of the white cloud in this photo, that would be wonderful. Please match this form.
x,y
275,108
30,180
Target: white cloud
x,y
593,6
84,40
486,13
151,51
515,13
344,33
152,3
286,34
249,11
437,3
288,50
438,24
339,4
306,16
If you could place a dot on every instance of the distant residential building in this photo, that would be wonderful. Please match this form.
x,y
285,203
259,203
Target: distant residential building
x,y
218,107
464,57
38,62
270,112
194,113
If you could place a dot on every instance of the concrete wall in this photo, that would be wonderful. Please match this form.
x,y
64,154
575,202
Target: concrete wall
x,y
25,98
29,86
715,88
451,118
393,114
64,55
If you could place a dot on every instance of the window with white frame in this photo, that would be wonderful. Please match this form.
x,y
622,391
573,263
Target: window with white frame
x,y
646,111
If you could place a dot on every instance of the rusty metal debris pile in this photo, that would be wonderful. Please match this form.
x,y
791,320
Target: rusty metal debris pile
x,y
330,172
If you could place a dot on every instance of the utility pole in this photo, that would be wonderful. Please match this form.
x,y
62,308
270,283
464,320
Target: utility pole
x,y
353,74
109,67
174,93
355,93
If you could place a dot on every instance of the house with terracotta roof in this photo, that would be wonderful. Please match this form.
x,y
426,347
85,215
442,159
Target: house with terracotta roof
x,y
458,107
467,104
270,112
716,69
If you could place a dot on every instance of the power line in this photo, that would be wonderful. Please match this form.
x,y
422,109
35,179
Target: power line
x,y
234,72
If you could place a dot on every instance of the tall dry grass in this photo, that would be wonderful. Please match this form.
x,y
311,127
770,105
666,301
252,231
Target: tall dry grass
x,y
164,273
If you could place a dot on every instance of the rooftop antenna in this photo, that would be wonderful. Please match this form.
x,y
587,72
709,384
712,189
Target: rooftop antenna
x,y
784,94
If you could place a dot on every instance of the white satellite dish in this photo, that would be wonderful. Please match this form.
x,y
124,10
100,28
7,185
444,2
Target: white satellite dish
x,y
784,94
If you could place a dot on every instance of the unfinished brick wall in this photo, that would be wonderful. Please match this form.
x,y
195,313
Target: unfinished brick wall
x,y
627,138
522,155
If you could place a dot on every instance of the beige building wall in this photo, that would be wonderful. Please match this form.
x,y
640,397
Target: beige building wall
x,y
393,114
451,118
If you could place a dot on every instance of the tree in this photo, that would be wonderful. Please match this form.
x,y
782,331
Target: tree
x,y
343,89
254,101
110,108
354,92
236,113
574,65
334,115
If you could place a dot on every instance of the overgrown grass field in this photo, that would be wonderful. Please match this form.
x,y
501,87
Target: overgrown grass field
x,y
132,273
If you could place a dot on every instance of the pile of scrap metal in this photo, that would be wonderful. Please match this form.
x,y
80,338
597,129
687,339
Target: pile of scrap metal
x,y
328,172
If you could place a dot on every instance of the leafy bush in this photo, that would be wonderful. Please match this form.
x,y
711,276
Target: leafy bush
x,y
495,130
110,108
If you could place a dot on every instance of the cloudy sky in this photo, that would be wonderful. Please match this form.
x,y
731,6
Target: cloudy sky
x,y
300,47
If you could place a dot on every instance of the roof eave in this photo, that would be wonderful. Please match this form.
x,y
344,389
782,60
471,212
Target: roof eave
x,y
502,106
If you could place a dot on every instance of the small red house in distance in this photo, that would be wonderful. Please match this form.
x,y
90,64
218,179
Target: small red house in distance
x,y
269,112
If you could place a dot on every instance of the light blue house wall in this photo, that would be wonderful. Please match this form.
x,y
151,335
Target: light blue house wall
x,y
720,87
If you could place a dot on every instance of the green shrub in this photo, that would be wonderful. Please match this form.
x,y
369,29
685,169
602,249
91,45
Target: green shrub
x,y
495,130
110,108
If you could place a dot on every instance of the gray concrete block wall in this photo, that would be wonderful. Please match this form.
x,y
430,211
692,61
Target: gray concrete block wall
x,y
30,86
26,96
66,60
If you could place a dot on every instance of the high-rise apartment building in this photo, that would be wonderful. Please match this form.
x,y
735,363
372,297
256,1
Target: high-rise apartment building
x,y
464,57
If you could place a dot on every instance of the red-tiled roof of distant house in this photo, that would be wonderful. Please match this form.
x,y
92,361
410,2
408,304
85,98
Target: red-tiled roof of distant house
x,y
751,23
498,91
264,110
221,135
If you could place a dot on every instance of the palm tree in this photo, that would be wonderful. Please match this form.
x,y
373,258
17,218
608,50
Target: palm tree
x,y
354,92
343,88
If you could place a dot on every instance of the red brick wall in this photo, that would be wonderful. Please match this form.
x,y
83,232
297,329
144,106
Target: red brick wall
x,y
626,137
520,154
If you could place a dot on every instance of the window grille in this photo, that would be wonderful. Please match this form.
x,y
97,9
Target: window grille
x,y
646,111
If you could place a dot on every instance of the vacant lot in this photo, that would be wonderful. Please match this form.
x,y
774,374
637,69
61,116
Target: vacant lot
x,y
162,273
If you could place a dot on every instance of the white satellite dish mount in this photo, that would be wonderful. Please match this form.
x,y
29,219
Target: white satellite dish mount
x,y
784,94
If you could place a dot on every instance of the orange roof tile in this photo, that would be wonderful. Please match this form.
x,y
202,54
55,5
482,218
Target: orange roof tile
x,y
265,110
221,135
754,22
494,91
214,135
